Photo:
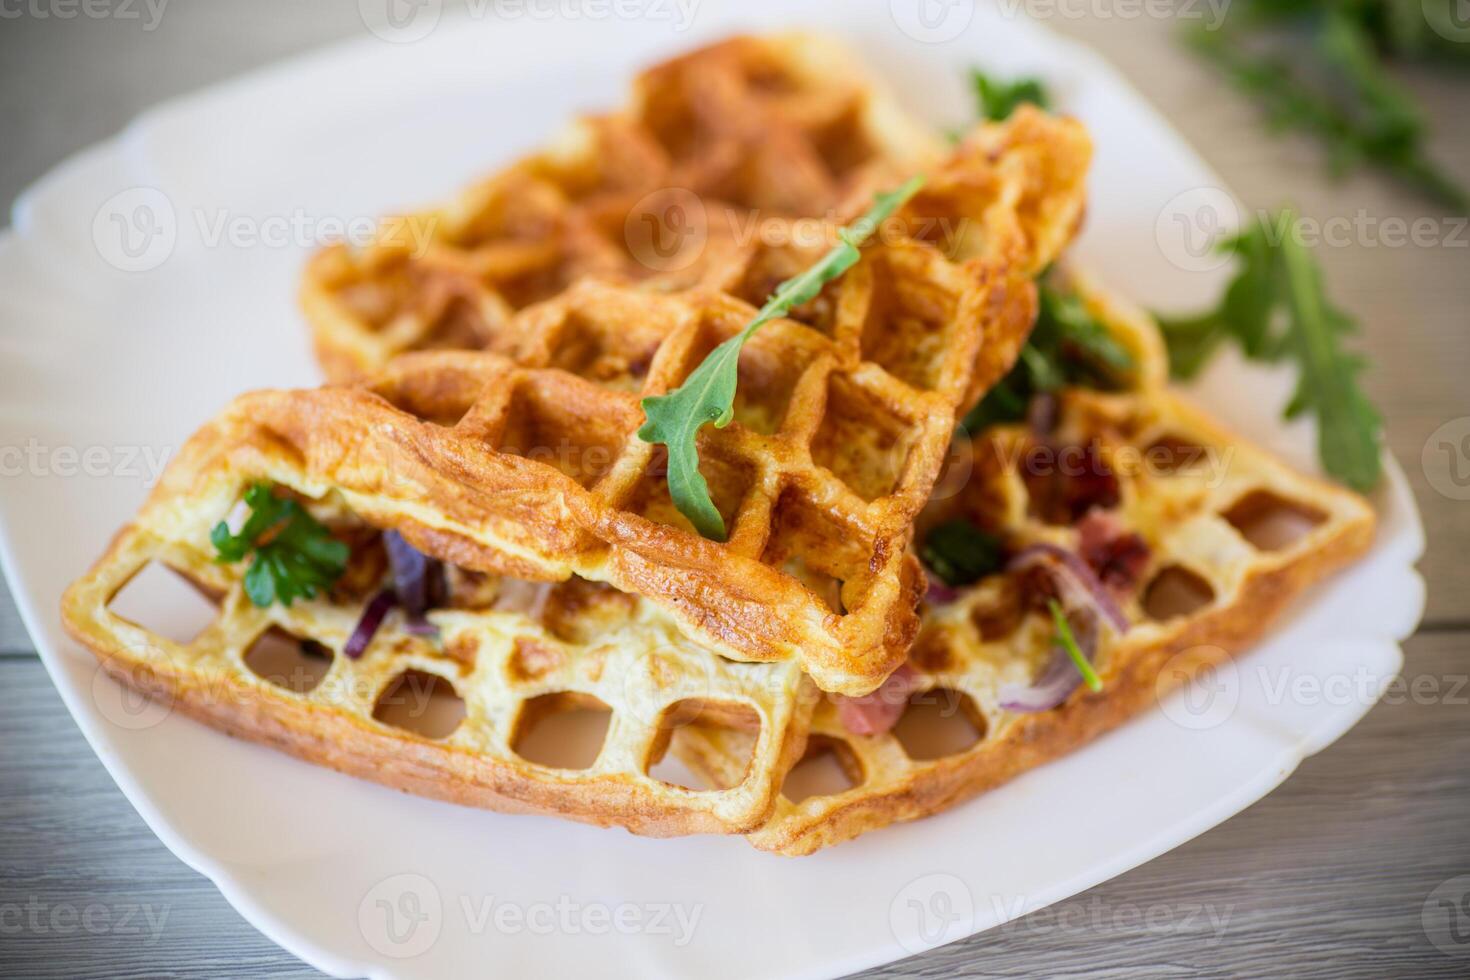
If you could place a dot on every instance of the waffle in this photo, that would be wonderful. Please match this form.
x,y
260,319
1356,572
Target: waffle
x,y
843,416
784,126
1204,502
516,654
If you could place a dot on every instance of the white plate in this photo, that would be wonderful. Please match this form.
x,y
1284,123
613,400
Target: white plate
x,y
103,370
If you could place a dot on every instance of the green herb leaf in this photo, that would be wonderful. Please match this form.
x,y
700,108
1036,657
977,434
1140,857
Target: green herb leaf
x,y
295,556
708,394
1344,96
960,553
1067,347
996,100
1348,426
1069,643
1276,307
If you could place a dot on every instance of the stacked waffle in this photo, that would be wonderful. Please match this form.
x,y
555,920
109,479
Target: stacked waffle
x,y
494,353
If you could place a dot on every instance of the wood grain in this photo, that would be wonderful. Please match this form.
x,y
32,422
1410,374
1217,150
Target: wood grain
x,y
1325,878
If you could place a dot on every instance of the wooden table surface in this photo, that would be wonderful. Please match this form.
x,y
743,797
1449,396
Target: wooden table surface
x,y
1326,877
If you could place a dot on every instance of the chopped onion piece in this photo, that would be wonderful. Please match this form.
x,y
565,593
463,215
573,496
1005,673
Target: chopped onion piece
x,y
1060,676
367,626
1079,586
415,575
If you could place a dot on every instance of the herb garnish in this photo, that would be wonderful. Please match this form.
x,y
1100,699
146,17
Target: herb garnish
x,y
960,553
1069,643
295,556
708,394
1275,307
996,99
1327,77
1068,346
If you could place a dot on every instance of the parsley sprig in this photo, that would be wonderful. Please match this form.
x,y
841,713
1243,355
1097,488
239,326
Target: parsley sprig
x,y
1274,308
294,555
960,553
708,394
1069,643
997,99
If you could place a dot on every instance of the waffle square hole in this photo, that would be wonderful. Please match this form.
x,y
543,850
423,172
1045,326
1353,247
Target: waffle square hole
x,y
863,442
772,265
907,327
1176,591
441,396
729,483
826,555
937,723
615,353
735,728
162,601
1170,454
771,363
287,661
1271,522
561,731
422,703
844,143
548,426
828,768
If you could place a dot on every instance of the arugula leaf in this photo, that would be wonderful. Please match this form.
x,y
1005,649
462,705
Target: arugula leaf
x,y
960,553
1348,426
1069,643
708,394
1276,307
1068,346
996,100
295,556
1346,99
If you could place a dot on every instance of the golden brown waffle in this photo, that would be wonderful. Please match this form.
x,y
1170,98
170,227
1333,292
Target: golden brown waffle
x,y
843,416
521,653
577,643
1210,509
783,126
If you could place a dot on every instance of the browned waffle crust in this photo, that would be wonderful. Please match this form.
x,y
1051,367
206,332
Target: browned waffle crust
x,y
753,128
1198,495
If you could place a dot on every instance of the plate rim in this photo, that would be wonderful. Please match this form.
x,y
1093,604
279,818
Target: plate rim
x,y
1394,498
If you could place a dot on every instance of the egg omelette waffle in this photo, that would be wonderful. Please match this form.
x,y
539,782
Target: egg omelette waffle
x,y
513,654
843,415
1232,536
446,447
778,126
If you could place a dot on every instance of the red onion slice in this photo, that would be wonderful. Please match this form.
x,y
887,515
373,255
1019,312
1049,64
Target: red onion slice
x,y
1079,585
414,578
939,594
1060,677
876,713
367,626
